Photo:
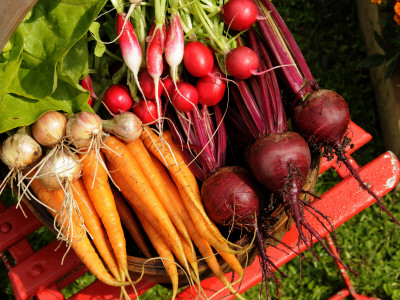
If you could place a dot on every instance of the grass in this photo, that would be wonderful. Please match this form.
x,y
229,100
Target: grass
x,y
370,243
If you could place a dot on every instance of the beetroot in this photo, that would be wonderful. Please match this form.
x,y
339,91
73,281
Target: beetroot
x,y
278,159
322,119
231,195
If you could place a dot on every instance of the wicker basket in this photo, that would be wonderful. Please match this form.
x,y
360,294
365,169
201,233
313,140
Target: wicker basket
x,y
154,270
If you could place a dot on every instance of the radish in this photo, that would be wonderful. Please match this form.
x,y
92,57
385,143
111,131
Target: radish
x,y
242,62
130,46
174,46
198,59
211,88
168,86
147,84
154,63
117,99
185,97
86,83
147,111
330,120
239,15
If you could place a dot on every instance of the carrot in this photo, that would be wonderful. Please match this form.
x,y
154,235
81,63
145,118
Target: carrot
x,y
130,223
163,251
187,188
119,156
201,244
94,226
82,246
142,156
95,179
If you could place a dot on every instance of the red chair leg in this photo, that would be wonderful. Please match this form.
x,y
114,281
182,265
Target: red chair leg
x,y
349,290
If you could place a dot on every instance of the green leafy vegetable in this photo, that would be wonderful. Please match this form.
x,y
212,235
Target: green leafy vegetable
x,y
46,61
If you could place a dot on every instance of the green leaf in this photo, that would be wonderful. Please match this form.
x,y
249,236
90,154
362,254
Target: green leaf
x,y
10,62
372,61
100,47
49,33
16,110
75,63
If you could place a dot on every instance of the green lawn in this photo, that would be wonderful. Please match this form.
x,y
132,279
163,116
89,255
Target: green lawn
x,y
329,36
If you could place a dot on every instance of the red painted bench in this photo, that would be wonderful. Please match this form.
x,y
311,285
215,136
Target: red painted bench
x,y
40,274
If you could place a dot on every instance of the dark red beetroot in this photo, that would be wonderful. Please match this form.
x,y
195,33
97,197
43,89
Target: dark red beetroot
x,y
233,196
322,119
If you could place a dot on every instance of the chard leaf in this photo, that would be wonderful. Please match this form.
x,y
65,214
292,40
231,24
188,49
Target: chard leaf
x,y
16,110
51,30
75,63
10,61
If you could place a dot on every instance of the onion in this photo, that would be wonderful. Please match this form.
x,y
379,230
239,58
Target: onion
x,y
20,150
59,170
49,129
84,130
126,126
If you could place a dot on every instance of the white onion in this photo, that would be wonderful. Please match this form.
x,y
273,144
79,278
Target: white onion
x,y
126,126
60,169
49,129
20,150
83,129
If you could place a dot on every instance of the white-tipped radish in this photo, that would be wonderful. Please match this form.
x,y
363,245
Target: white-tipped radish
x,y
174,46
155,64
129,44
126,126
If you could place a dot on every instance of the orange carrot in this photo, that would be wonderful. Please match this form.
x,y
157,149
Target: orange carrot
x,y
201,244
94,226
130,223
188,189
142,157
95,179
82,246
163,251
119,156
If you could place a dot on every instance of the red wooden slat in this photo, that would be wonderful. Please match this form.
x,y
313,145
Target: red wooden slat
x,y
99,290
341,203
41,270
14,226
359,137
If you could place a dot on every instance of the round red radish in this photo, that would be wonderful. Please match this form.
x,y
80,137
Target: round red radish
x,y
242,62
168,86
211,88
198,59
185,97
147,84
117,99
146,110
239,15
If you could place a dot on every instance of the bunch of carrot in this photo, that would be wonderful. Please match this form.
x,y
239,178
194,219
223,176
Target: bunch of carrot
x,y
121,174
